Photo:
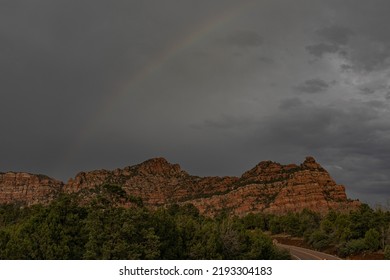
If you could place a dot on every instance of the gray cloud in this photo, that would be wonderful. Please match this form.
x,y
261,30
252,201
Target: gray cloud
x,y
207,84
320,49
266,60
290,103
226,122
312,86
367,90
336,35
334,39
350,135
346,67
370,57
245,38
365,48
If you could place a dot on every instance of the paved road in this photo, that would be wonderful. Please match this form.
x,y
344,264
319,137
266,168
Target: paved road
x,y
299,253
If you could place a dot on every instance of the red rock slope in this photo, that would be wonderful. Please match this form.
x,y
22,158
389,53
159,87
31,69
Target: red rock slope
x,y
268,187
28,188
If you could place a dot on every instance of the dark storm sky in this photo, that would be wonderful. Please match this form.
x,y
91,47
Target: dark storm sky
x,y
216,86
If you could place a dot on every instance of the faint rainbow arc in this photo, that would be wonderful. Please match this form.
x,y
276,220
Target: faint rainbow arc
x,y
152,67
201,31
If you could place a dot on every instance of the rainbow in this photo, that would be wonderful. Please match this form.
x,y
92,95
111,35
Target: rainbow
x,y
156,64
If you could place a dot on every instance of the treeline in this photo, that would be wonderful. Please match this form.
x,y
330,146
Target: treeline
x,y
365,230
97,229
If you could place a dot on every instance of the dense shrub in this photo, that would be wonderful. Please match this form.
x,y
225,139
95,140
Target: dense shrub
x,y
387,252
353,246
98,229
319,240
372,239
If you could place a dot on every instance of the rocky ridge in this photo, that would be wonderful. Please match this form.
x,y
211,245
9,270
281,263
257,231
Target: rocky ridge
x,y
268,187
26,188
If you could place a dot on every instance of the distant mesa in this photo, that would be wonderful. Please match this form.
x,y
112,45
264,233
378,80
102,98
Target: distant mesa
x,y
268,187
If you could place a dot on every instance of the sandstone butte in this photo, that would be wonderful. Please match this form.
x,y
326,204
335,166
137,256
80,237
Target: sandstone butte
x,y
268,187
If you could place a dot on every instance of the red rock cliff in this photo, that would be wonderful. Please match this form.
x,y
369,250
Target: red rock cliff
x,y
28,188
268,187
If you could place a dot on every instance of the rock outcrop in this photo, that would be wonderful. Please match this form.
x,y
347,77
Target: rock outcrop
x,y
28,188
274,188
156,181
268,187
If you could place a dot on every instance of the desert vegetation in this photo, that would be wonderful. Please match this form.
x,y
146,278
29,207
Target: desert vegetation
x,y
96,225
70,228
361,231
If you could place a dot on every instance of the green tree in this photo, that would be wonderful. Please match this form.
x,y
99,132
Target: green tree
x,y
309,221
52,232
290,224
275,225
168,234
319,239
206,243
118,233
258,246
254,221
372,239
361,221
353,246
387,252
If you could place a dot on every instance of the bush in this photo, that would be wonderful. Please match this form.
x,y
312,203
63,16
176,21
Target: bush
x,y
371,240
387,252
354,246
319,239
275,225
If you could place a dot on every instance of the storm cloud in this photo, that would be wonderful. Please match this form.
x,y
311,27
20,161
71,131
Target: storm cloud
x,y
349,139
216,86
322,48
336,35
312,86
245,38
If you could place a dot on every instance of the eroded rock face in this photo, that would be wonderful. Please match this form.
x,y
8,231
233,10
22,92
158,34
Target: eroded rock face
x,y
28,188
274,188
268,187
156,181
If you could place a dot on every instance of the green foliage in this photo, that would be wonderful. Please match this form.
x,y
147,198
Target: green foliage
x,y
327,226
275,225
98,228
117,233
352,233
11,213
206,243
47,233
387,252
353,246
342,230
371,239
254,221
165,228
308,222
319,239
295,224
361,221
290,224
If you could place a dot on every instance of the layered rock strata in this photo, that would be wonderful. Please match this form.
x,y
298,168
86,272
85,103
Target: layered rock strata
x,y
268,187
28,188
